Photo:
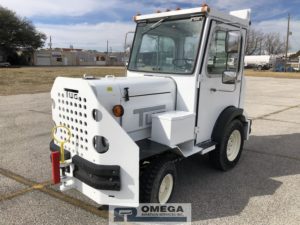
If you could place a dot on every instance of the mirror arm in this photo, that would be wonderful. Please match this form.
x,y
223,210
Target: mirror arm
x,y
126,36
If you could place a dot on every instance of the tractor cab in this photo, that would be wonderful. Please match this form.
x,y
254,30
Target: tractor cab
x,y
117,139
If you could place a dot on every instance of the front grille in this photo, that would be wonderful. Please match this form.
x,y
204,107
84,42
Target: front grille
x,y
72,113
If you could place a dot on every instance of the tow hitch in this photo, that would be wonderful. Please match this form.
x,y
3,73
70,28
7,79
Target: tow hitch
x,y
60,166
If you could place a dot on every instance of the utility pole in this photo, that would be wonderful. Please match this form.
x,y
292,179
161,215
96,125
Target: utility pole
x,y
107,47
107,52
287,43
50,44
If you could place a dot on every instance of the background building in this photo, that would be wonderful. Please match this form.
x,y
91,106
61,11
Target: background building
x,y
76,57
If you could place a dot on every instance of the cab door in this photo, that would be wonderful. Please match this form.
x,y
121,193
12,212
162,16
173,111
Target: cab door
x,y
220,77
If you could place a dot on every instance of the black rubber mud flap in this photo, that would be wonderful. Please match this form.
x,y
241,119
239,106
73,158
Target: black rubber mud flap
x,y
228,115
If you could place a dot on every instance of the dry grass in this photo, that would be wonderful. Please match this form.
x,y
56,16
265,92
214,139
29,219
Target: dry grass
x,y
267,73
27,80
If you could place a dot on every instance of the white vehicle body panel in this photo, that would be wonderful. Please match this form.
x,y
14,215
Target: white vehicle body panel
x,y
122,149
145,93
186,89
215,96
142,94
243,14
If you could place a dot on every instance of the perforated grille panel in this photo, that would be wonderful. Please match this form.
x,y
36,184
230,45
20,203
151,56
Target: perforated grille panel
x,y
73,114
96,137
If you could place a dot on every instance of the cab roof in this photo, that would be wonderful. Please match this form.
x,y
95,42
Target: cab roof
x,y
241,17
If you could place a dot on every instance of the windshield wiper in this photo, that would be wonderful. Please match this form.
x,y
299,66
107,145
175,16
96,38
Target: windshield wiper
x,y
155,25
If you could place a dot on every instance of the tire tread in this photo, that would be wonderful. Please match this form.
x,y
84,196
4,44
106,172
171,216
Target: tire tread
x,y
148,177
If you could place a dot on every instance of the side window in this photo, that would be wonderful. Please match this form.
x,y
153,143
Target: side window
x,y
220,57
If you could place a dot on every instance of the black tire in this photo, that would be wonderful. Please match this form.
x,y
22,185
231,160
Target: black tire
x,y
218,157
151,178
259,67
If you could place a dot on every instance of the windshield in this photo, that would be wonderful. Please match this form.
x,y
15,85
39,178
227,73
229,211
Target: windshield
x,y
166,46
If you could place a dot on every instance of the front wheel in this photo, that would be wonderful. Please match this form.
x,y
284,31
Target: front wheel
x,y
229,148
157,182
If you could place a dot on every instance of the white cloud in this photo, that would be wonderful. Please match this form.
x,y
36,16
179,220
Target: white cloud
x,y
260,10
280,26
88,36
232,4
46,8
29,8
94,36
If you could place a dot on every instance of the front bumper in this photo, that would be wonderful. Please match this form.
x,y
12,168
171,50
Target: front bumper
x,y
100,177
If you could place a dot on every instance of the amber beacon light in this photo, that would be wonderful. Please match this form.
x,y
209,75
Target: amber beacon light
x,y
118,110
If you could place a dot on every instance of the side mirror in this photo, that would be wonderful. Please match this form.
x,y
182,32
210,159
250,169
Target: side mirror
x,y
128,50
229,77
233,40
128,42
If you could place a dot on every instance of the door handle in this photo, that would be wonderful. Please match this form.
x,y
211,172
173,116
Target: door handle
x,y
222,90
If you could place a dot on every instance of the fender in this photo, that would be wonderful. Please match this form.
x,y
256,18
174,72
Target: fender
x,y
226,116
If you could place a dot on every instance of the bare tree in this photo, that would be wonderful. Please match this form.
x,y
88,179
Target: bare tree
x,y
274,44
255,41
259,43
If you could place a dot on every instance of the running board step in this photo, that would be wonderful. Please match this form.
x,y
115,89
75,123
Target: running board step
x,y
207,146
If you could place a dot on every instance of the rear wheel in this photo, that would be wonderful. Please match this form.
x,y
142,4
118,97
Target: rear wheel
x,y
229,148
157,182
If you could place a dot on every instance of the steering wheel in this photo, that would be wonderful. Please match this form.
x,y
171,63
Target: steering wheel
x,y
183,63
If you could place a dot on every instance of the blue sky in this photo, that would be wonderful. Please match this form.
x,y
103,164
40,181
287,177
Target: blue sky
x,y
89,23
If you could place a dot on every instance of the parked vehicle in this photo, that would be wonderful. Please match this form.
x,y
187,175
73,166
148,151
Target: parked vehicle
x,y
4,64
259,62
118,138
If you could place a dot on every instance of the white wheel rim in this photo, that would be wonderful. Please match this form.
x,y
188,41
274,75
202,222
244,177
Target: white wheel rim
x,y
165,189
233,145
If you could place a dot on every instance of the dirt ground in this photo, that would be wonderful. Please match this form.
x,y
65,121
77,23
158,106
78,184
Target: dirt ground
x,y
267,73
29,80
262,189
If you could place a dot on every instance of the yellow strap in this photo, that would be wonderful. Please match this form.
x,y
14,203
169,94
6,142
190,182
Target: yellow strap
x,y
62,153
